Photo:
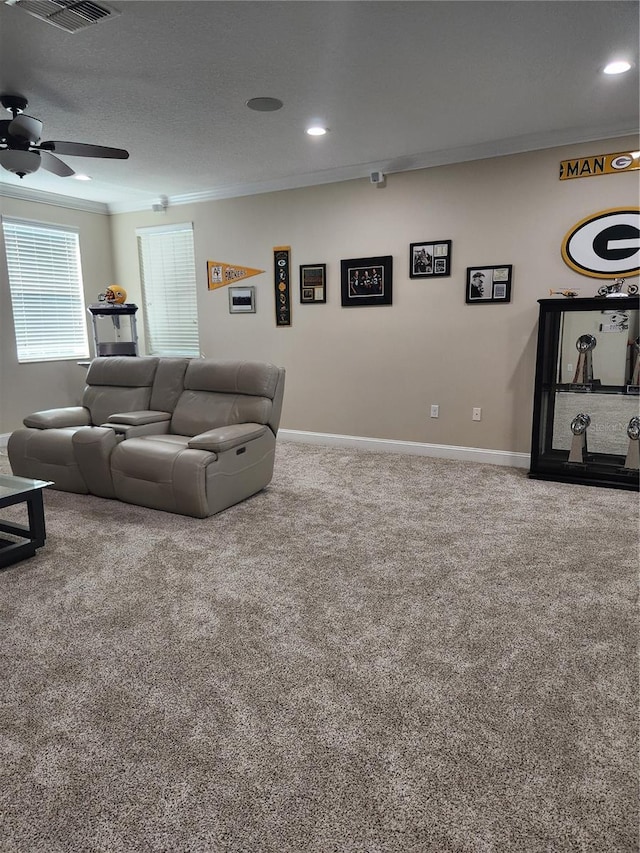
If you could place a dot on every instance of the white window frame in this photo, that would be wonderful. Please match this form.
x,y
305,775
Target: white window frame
x,y
169,289
47,294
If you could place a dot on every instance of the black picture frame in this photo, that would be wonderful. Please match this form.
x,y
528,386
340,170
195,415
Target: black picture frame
x,y
430,259
488,284
313,284
366,281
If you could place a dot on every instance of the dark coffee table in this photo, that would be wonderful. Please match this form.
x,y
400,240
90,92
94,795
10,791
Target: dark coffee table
x,y
15,490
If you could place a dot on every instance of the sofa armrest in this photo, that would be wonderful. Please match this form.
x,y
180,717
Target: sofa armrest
x,y
227,437
145,422
138,418
59,418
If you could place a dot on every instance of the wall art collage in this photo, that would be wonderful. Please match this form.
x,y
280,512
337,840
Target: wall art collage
x,y
363,281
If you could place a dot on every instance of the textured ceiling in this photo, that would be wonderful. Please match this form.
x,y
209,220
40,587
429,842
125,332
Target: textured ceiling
x,y
400,85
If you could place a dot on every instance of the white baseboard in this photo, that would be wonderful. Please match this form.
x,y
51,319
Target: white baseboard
x,y
386,445
413,448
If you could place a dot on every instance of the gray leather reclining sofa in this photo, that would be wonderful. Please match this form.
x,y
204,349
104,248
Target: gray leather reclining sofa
x,y
191,436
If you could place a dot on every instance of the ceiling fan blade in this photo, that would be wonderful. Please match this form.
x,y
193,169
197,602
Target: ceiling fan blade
x,y
81,149
52,164
26,127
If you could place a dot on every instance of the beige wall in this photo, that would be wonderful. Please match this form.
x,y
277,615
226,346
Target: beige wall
x,y
375,371
368,371
25,388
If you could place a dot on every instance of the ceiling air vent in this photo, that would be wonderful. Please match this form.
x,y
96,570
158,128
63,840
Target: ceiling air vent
x,y
67,15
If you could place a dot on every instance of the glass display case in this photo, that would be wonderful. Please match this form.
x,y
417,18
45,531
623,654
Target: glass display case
x,y
586,424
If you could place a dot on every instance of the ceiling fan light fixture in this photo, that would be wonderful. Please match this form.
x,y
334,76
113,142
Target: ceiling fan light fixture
x,y
21,163
80,177
26,127
316,130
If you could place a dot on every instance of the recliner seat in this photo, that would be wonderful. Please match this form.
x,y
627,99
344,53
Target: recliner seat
x,y
219,447
44,448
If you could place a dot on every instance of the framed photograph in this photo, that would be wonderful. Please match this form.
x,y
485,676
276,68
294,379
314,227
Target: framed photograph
x,y
489,284
242,300
430,259
313,283
366,281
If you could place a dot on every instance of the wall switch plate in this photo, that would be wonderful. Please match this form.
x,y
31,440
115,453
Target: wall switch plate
x,y
476,414
435,411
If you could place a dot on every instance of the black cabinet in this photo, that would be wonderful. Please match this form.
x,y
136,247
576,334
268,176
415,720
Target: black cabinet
x,y
586,404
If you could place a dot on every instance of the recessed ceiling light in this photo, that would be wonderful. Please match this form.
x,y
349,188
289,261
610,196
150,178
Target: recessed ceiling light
x,y
80,177
617,67
264,105
316,131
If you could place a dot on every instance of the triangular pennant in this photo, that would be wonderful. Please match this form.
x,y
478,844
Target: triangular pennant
x,y
220,274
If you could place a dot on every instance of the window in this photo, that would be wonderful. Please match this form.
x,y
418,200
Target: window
x,y
45,280
168,275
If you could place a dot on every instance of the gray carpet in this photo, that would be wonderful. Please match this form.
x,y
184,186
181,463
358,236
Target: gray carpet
x,y
377,654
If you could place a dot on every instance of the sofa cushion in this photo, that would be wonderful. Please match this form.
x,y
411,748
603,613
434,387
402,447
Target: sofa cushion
x,y
199,411
118,384
103,400
167,438
168,383
122,371
232,377
141,459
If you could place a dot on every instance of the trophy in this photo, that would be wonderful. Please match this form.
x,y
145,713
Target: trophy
x,y
615,288
584,368
635,370
579,442
633,455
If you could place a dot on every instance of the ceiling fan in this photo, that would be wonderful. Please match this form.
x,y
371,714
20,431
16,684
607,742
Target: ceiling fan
x,y
22,152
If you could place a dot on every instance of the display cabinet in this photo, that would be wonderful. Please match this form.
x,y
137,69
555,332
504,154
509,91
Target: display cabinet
x,y
586,422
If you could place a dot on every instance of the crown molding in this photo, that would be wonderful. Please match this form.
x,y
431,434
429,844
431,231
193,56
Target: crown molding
x,y
71,202
425,160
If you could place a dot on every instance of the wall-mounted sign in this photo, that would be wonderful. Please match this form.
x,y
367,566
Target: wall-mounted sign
x,y
605,244
602,164
281,275
219,274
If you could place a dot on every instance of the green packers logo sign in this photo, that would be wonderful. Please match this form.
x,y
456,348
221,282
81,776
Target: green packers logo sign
x,y
605,244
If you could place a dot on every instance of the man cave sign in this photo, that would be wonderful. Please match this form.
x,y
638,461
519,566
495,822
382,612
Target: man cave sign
x,y
605,244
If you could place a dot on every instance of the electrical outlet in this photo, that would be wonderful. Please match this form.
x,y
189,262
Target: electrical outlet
x,y
476,414
435,411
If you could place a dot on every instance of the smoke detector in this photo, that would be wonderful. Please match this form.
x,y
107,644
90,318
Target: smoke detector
x,y
67,15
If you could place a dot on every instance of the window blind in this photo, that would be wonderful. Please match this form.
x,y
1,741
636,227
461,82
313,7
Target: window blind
x,y
168,277
45,281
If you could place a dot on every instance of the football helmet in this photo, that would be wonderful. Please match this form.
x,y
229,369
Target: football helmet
x,y
115,294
